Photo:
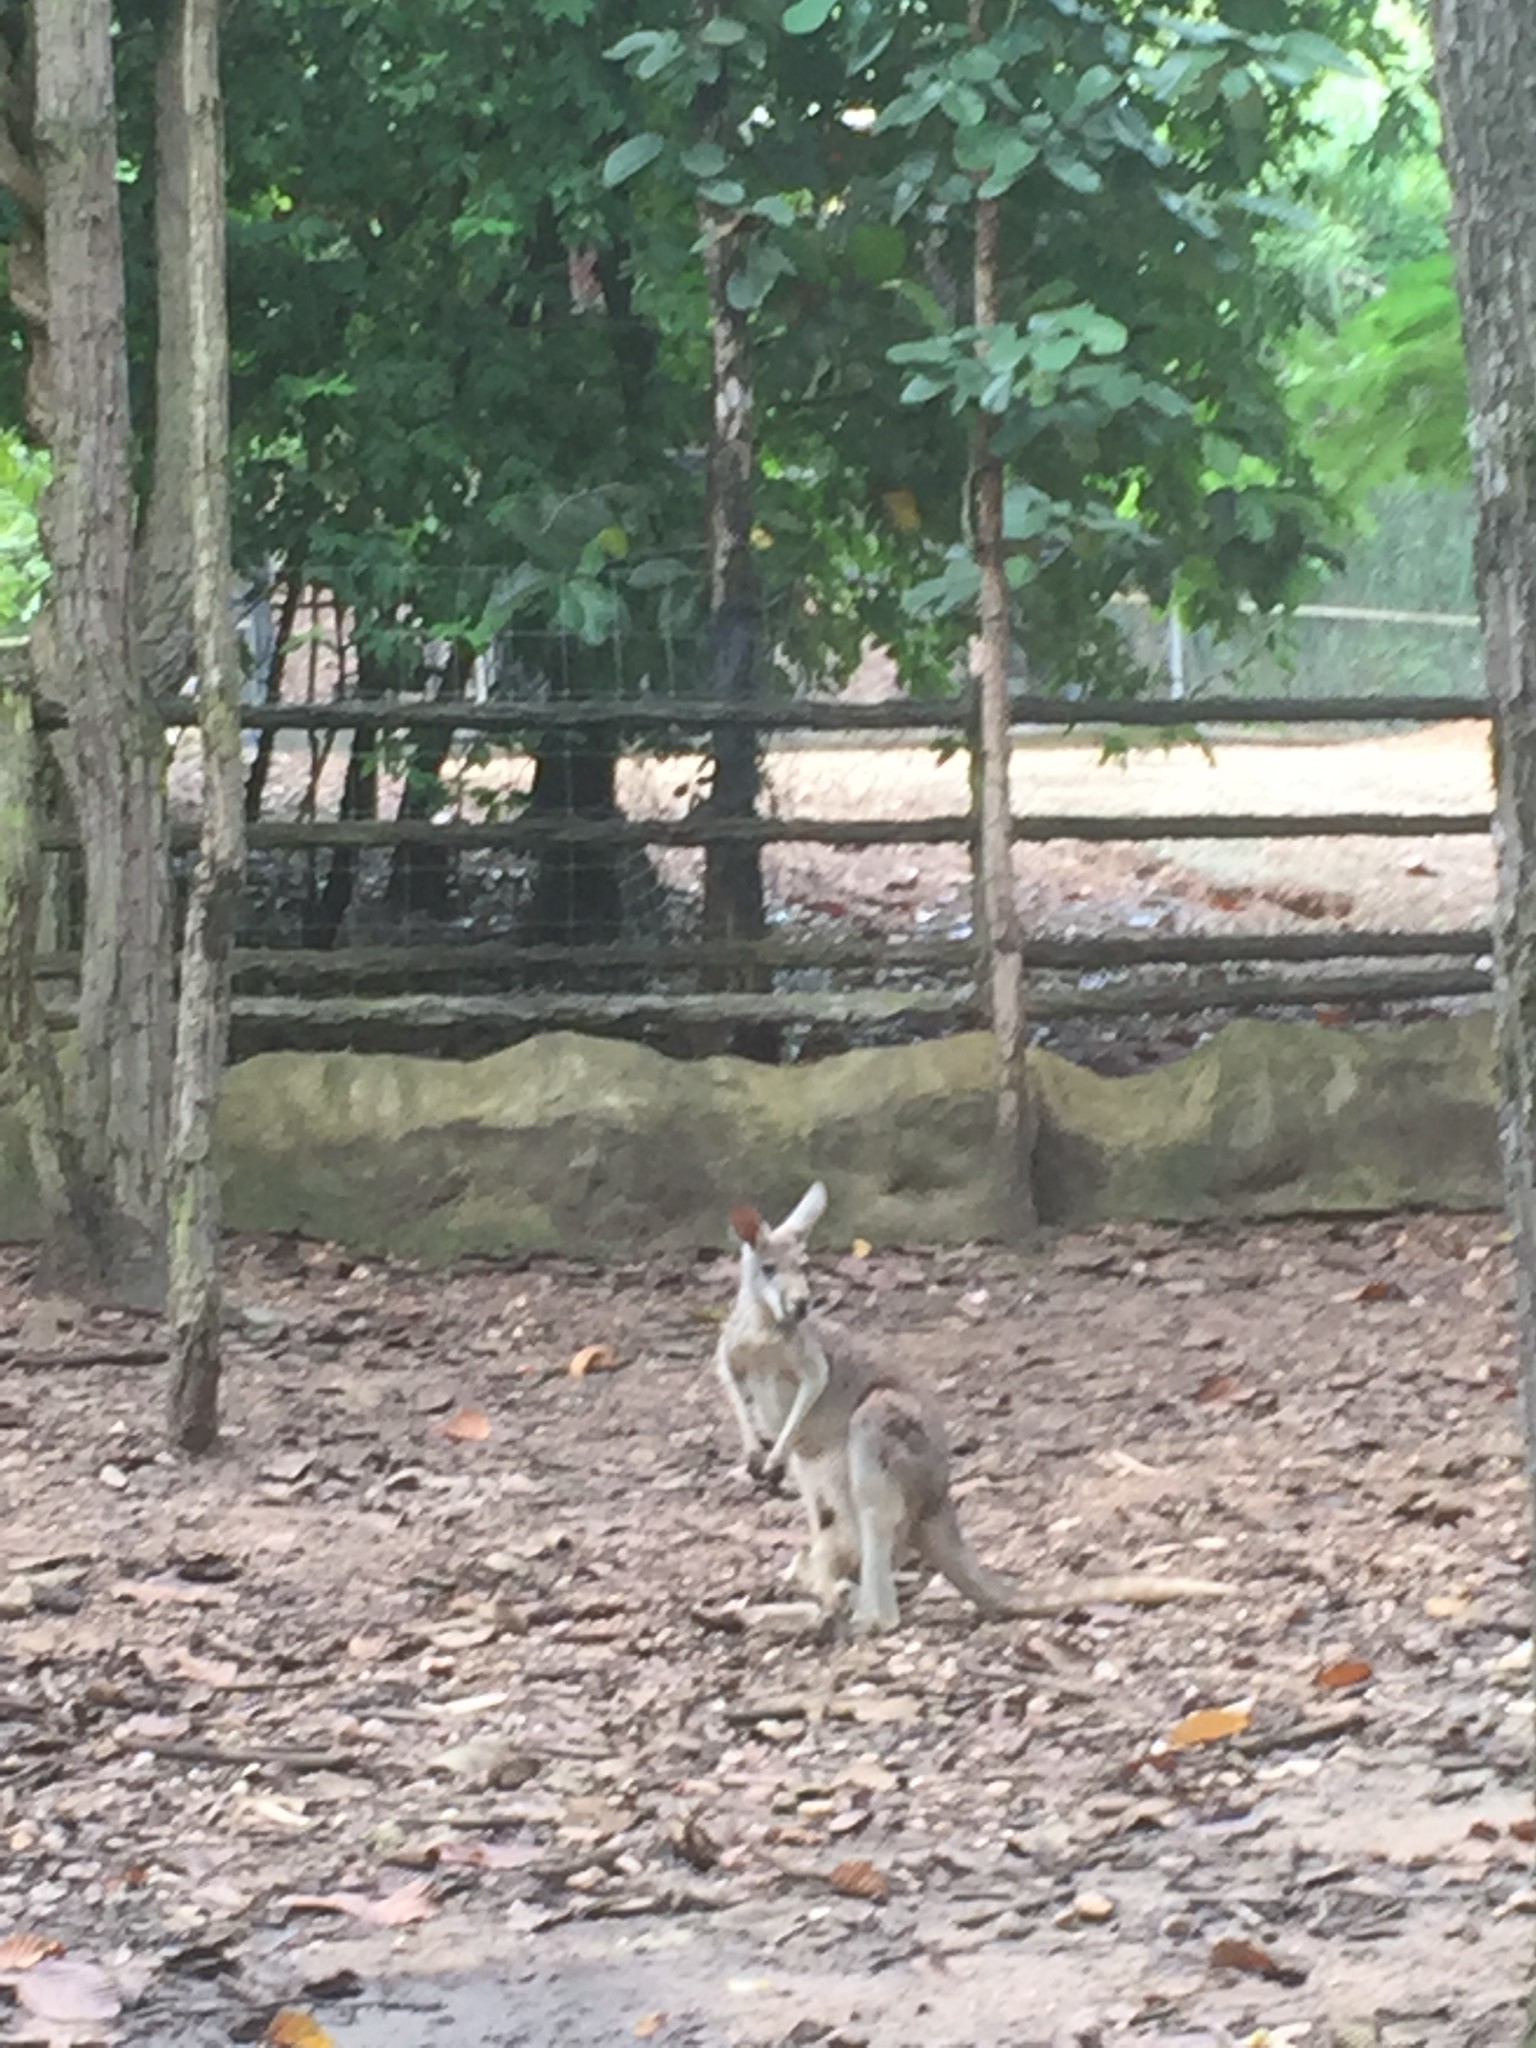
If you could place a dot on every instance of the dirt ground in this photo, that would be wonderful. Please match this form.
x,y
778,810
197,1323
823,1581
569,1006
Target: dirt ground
x,y
500,1654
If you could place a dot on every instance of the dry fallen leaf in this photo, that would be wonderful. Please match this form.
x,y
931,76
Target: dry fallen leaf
x,y
484,1855
67,1993
294,2029
1446,1606
1380,1290
469,1426
592,1358
694,1843
1208,1724
859,1879
412,1901
267,1810
1523,1830
879,1710
649,2025
1348,1671
220,1673
22,1951
159,1592
1233,1953
861,1247
1221,1386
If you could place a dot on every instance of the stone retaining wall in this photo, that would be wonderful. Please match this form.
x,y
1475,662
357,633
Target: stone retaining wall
x,y
593,1145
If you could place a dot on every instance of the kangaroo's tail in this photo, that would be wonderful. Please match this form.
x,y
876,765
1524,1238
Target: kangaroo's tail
x,y
943,1548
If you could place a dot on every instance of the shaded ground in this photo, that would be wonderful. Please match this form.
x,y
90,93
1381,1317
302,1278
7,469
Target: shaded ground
x,y
541,1673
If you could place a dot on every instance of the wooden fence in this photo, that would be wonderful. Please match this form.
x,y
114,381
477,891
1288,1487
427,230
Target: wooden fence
x,y
444,996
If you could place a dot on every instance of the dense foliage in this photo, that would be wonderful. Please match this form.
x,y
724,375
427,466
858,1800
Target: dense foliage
x,y
471,327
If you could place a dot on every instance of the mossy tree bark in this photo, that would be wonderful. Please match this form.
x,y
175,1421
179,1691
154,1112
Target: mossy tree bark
x,y
30,1079
120,1096
202,1038
1486,66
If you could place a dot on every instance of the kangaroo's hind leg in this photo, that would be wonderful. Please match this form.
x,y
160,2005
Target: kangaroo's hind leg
x,y
831,1558
897,1472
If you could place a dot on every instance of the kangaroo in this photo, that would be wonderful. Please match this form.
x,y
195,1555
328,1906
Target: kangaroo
x,y
865,1445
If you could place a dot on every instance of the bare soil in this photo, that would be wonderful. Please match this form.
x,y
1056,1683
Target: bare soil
x,y
543,1670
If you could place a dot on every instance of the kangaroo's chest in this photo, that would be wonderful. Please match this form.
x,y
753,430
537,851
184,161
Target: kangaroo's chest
x,y
767,1379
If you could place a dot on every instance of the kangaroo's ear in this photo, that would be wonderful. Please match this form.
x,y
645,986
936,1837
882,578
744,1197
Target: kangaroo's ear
x,y
747,1223
807,1212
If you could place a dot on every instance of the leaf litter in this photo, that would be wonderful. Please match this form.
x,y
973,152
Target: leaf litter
x,y
189,1751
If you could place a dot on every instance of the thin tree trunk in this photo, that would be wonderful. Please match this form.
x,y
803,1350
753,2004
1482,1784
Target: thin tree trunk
x,y
733,875
83,649
1486,64
325,915
203,1021
420,877
994,849
266,742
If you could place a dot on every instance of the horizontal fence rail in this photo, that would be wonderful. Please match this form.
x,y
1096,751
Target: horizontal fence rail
x,y
495,960
428,1015
813,714
466,996
701,828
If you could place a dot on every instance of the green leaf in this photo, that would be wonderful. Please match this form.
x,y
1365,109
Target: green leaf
x,y
704,160
723,32
806,16
1014,156
1028,512
775,208
747,287
631,156
878,251
1055,352
919,389
997,393
658,571
723,192
1104,335
1074,172
632,44
964,105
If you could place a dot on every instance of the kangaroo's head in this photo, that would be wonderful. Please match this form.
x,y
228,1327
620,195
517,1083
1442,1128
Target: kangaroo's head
x,y
775,1262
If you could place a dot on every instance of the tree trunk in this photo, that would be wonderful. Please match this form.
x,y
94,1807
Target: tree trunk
x,y
1486,65
83,648
578,895
733,876
325,914
266,741
30,1081
421,877
202,1038
998,900
163,568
